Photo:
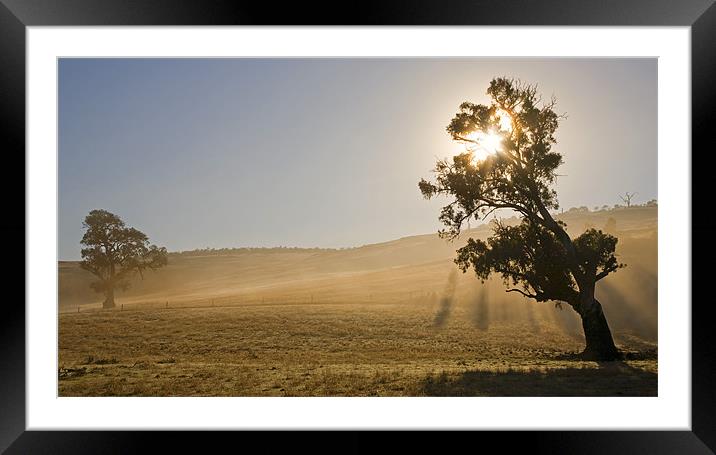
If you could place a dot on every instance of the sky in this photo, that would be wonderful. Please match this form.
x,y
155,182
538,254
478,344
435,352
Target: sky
x,y
224,153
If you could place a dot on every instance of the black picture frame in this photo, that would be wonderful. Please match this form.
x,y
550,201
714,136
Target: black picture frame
x,y
16,15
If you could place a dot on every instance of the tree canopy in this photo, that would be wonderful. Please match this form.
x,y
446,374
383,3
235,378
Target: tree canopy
x,y
519,173
113,252
531,257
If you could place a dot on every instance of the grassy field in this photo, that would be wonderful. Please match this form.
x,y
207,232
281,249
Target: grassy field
x,y
392,319
333,350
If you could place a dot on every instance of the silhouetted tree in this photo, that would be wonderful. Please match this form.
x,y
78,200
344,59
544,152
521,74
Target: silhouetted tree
x,y
536,257
627,198
114,252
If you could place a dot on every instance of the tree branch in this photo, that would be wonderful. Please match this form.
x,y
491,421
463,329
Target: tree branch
x,y
606,272
526,294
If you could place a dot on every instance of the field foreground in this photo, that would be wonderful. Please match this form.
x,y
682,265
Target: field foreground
x,y
331,349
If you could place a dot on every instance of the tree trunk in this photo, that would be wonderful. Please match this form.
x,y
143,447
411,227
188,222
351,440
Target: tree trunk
x,y
109,298
600,344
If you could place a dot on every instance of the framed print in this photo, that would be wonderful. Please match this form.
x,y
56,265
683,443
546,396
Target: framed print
x,y
412,218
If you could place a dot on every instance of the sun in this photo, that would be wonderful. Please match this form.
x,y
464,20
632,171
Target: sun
x,y
485,143
491,142
482,144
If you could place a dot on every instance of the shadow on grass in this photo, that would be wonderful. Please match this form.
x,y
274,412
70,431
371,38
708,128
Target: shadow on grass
x,y
609,379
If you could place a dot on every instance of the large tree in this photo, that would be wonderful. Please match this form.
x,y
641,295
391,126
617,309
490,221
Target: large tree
x,y
509,163
114,252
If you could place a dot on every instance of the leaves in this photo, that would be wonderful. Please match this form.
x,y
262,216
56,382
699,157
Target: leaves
x,y
518,176
596,253
526,255
114,252
537,256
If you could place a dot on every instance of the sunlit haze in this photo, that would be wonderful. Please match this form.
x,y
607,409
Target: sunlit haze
x,y
321,152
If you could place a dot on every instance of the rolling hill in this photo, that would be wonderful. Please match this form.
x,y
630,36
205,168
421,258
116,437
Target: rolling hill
x,y
416,268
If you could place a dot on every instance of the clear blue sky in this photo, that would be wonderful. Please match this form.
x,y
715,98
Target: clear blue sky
x,y
318,152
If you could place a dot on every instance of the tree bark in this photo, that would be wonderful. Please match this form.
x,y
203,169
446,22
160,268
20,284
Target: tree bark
x,y
109,298
600,344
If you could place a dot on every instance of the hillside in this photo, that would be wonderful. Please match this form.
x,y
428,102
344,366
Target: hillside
x,y
417,268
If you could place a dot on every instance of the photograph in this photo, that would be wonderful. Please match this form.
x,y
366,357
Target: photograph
x,y
357,227
411,221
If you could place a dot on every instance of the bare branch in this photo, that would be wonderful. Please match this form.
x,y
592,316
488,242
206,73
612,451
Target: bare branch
x,y
526,294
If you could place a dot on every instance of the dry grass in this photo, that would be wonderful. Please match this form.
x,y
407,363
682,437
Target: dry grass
x,y
334,350
385,319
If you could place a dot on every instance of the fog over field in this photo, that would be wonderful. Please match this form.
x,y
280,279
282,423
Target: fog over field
x,y
412,269
379,319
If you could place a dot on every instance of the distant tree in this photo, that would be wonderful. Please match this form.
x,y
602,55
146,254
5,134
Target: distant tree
x,y
651,203
627,198
509,164
114,252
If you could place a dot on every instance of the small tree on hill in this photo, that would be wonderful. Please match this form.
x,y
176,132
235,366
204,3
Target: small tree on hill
x,y
509,164
113,253
627,198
